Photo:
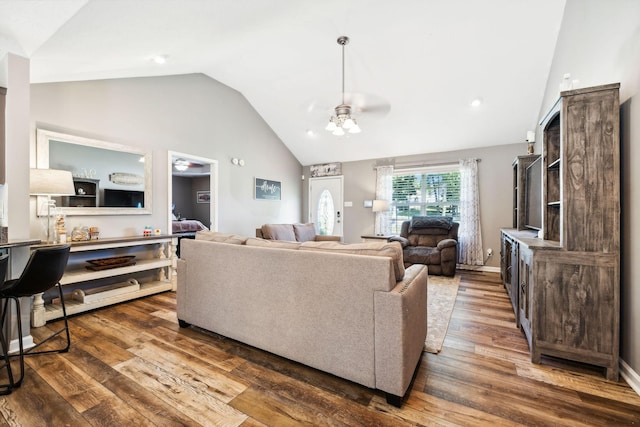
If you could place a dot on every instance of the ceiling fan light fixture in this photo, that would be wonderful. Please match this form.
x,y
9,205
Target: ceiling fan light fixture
x,y
342,119
181,165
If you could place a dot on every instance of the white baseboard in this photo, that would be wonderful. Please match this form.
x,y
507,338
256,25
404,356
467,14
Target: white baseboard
x,y
27,342
485,268
630,376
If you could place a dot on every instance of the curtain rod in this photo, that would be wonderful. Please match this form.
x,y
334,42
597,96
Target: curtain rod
x,y
422,165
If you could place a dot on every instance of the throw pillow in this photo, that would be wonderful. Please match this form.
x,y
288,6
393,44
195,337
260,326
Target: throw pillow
x,y
278,232
304,232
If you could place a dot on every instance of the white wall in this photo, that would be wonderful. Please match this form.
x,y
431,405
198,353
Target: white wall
x,y
599,43
495,182
187,113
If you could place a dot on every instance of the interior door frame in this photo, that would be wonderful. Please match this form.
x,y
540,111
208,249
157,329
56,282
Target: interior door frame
x,y
340,207
213,186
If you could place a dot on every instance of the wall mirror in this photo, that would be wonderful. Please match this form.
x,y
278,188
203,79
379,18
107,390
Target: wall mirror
x,y
109,178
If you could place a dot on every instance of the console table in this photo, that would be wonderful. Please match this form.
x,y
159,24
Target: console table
x,y
154,270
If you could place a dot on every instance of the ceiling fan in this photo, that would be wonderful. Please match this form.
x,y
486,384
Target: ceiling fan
x,y
341,118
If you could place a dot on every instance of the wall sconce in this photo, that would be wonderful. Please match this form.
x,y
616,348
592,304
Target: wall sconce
x,y
237,162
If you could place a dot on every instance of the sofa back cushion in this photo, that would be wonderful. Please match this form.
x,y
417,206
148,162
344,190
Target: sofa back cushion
x,y
280,244
305,232
278,232
443,222
214,236
392,250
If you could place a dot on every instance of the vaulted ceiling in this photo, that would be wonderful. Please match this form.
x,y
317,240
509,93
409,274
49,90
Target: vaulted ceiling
x,y
412,67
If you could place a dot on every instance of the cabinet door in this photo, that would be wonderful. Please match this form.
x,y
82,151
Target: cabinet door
x,y
576,309
525,278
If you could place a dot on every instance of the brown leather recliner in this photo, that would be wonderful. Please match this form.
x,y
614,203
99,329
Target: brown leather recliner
x,y
432,241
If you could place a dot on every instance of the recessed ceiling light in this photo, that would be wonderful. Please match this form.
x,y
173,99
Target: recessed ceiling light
x,y
476,102
160,59
310,132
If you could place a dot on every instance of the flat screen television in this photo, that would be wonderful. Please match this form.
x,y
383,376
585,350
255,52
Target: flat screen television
x,y
123,198
533,195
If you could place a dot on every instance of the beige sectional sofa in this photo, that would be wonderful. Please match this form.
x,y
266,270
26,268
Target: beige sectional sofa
x,y
350,310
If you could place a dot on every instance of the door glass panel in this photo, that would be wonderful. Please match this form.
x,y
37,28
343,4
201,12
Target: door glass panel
x,y
326,213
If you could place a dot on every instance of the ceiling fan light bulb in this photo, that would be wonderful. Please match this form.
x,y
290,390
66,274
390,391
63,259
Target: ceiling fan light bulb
x,y
355,129
331,126
348,123
338,132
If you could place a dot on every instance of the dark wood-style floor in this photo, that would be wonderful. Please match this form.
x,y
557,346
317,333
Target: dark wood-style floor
x,y
132,365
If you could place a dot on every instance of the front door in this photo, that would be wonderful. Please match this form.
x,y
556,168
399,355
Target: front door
x,y
326,205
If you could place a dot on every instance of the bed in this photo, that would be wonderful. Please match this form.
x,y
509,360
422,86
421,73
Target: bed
x,y
187,226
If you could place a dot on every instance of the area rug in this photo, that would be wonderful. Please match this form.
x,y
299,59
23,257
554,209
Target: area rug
x,y
441,297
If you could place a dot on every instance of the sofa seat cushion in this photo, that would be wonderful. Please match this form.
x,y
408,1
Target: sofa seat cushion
x,y
430,240
215,236
280,244
422,255
305,232
392,250
278,232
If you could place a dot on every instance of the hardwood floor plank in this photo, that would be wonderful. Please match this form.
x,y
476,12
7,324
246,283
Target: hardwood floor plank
x,y
192,398
308,399
36,403
220,384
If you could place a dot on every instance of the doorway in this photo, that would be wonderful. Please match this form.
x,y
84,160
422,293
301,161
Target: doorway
x,y
196,195
326,204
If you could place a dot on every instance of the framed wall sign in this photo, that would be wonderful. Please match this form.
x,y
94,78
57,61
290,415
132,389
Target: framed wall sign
x,y
266,189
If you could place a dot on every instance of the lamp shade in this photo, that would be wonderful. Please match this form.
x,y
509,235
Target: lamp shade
x,y
380,205
51,182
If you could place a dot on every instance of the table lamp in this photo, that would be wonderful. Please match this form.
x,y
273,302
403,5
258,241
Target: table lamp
x,y
50,182
379,206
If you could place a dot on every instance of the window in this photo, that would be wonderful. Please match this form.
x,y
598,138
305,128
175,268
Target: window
x,y
428,191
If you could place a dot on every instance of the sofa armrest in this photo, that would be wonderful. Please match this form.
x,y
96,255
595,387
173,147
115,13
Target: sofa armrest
x,y
400,330
403,241
325,238
446,243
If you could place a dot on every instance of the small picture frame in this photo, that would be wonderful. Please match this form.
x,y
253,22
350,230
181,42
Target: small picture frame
x,y
203,196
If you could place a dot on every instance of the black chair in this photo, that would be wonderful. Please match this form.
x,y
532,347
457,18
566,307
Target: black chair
x,y
42,272
8,387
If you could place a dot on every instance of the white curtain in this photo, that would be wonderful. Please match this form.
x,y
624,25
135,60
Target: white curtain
x,y
384,191
469,233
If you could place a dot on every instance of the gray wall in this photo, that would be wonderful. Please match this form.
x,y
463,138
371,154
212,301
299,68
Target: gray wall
x,y
599,43
188,113
495,181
